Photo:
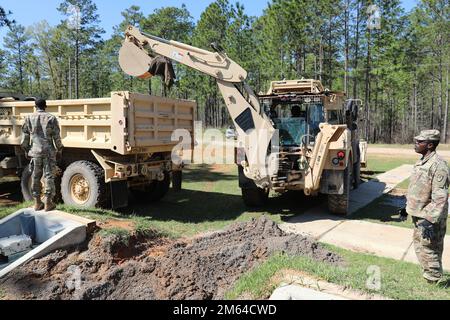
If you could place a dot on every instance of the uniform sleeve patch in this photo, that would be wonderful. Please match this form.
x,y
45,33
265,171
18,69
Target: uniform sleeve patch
x,y
441,178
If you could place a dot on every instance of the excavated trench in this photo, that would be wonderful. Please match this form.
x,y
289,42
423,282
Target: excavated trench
x,y
151,267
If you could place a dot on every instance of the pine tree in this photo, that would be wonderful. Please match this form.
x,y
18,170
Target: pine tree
x,y
81,26
16,42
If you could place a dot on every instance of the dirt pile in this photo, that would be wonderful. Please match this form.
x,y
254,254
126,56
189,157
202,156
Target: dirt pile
x,y
154,268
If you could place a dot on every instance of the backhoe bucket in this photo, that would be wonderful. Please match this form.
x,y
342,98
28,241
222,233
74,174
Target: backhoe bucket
x,y
136,63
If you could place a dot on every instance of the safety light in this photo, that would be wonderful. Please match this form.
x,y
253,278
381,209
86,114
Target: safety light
x,y
341,155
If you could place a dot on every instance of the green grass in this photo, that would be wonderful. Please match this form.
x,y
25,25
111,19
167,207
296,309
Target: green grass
x,y
378,164
405,146
399,280
7,210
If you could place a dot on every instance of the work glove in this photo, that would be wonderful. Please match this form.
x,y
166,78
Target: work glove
x,y
427,229
402,214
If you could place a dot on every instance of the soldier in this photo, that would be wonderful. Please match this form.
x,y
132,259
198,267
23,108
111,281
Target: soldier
x,y
43,129
427,203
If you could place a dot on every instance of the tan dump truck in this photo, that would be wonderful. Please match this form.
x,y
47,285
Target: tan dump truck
x,y
111,146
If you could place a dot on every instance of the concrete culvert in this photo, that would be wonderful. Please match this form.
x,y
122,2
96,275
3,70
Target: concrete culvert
x,y
151,267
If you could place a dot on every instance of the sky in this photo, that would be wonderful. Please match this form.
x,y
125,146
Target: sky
x,y
28,12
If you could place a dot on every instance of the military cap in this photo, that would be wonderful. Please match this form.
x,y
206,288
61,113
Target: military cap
x,y
429,135
41,103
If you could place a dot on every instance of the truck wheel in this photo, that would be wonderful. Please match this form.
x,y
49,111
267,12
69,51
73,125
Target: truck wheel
x,y
255,197
25,185
154,191
177,178
83,185
356,174
338,203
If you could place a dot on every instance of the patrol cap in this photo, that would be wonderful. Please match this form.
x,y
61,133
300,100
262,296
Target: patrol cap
x,y
429,135
41,103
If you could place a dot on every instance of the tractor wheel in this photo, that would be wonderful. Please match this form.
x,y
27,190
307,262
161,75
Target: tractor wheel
x,y
255,197
152,192
356,174
338,203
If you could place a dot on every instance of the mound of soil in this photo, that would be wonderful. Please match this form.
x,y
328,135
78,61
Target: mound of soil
x,y
154,268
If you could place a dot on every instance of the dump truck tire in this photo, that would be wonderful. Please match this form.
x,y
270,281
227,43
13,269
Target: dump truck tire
x,y
83,185
154,191
338,203
25,186
255,197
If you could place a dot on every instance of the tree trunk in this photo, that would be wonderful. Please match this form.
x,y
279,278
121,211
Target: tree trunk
x,y
346,37
77,67
355,77
446,111
367,88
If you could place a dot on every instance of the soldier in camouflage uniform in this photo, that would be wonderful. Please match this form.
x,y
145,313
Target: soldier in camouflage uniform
x,y
427,203
42,130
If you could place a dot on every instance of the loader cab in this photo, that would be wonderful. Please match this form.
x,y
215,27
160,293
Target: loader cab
x,y
297,121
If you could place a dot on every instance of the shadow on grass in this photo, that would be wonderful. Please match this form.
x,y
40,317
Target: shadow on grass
x,y
384,209
201,206
207,173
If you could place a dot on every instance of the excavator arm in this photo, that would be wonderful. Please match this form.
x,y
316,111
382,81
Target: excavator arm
x,y
255,131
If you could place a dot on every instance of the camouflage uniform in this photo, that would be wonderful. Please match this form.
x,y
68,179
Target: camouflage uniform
x,y
427,199
43,129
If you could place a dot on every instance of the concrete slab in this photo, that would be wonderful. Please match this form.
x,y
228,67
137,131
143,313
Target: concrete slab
x,y
397,175
50,231
295,292
366,193
377,239
313,222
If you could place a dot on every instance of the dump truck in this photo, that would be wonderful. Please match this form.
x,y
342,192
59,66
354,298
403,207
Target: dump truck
x,y
315,150
113,146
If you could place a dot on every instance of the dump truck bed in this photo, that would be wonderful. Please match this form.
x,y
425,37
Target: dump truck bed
x,y
126,123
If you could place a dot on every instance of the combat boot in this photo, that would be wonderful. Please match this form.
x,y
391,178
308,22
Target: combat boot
x,y
49,204
38,204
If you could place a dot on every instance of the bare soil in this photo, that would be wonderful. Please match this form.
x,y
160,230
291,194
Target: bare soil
x,y
151,267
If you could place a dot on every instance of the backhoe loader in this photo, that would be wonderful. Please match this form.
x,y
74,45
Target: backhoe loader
x,y
298,136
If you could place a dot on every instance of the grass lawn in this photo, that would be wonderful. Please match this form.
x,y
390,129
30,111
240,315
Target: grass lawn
x,y
399,280
405,146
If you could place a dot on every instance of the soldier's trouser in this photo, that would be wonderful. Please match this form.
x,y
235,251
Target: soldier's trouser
x,y
43,167
429,252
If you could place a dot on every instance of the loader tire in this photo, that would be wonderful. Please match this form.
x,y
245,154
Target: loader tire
x,y
338,203
152,192
255,197
25,186
83,185
356,174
